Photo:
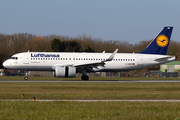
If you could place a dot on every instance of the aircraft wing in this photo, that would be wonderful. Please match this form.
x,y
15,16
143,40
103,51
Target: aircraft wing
x,y
96,63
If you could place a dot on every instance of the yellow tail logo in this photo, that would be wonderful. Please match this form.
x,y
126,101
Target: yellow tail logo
x,y
162,40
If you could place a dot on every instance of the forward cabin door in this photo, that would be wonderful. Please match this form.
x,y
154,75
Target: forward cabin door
x,y
140,60
26,58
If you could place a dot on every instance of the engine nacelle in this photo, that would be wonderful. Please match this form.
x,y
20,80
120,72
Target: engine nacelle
x,y
65,71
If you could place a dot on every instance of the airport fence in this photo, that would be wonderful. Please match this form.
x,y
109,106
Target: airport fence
x,y
134,73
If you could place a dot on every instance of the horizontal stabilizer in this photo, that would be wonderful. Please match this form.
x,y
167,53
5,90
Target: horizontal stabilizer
x,y
168,58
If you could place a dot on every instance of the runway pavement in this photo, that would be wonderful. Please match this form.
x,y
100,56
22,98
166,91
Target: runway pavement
x,y
89,81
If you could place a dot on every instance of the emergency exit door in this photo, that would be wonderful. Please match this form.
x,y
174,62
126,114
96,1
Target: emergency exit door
x,y
26,59
140,60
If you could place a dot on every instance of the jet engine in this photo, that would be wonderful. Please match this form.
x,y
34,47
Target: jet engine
x,y
65,71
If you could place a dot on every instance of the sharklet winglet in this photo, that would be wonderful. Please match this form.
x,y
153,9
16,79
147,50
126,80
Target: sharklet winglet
x,y
112,55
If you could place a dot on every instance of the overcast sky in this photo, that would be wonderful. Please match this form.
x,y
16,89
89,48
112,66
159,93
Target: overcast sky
x,y
124,20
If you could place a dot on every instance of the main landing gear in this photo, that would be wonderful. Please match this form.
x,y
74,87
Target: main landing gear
x,y
84,77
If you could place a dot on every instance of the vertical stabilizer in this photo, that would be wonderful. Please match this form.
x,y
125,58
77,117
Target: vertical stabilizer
x,y
160,44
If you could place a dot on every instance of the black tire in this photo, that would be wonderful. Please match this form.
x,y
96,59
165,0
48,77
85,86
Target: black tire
x,y
25,78
84,77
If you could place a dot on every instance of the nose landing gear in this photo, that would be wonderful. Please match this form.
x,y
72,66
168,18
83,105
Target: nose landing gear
x,y
26,76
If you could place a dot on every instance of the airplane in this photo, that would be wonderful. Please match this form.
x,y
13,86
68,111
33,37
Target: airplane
x,y
66,64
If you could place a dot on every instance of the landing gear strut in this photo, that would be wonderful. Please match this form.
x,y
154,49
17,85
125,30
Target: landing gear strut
x,y
84,77
26,76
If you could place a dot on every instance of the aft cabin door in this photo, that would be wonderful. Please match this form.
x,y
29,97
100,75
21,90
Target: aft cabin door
x,y
140,60
26,59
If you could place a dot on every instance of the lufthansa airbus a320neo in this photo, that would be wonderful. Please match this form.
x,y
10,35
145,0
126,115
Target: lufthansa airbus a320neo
x,y
66,64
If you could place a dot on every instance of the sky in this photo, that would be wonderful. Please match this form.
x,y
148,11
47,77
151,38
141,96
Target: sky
x,y
124,20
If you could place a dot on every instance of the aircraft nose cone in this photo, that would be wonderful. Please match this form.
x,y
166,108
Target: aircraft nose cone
x,y
5,63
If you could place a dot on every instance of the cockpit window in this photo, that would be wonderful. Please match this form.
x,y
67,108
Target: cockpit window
x,y
14,58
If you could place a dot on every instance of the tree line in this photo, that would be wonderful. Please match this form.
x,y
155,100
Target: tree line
x,y
22,42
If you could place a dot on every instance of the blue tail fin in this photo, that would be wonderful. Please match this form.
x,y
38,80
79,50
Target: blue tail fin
x,y
160,44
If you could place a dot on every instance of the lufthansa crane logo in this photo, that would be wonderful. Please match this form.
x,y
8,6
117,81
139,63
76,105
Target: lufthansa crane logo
x,y
162,40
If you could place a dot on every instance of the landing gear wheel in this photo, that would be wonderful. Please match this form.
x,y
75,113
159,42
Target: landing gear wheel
x,y
25,78
84,77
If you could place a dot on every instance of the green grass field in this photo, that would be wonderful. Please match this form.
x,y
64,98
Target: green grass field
x,y
89,110
25,110
90,90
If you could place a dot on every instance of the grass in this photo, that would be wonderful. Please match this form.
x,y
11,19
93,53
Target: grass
x,y
89,110
29,110
90,90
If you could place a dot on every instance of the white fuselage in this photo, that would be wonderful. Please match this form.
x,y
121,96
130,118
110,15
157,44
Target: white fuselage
x,y
46,61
